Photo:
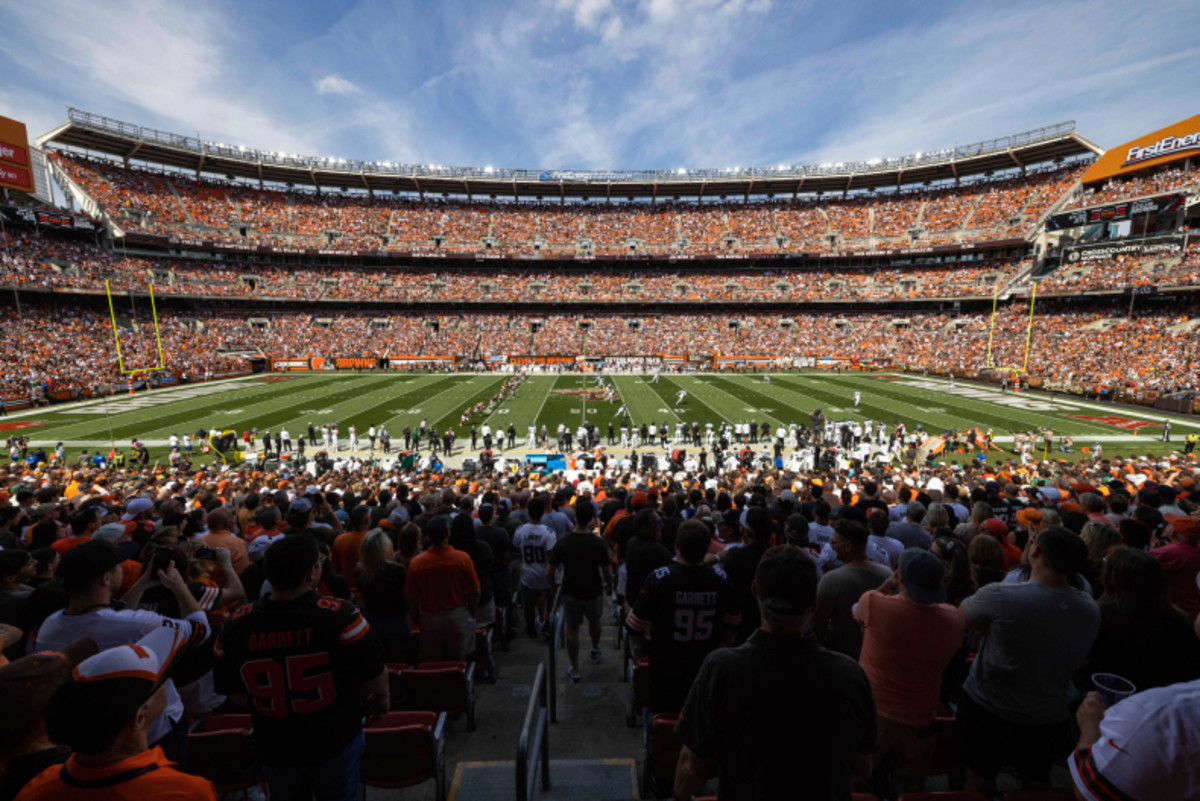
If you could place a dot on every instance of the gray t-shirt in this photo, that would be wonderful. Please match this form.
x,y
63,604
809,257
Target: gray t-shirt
x,y
838,592
1035,638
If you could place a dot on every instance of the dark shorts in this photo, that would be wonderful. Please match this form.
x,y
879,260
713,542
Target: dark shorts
x,y
993,742
575,610
531,596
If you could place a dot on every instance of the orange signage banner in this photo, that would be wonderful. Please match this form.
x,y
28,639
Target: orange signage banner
x,y
14,156
1173,143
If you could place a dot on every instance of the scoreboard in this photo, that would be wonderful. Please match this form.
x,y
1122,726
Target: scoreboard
x,y
16,168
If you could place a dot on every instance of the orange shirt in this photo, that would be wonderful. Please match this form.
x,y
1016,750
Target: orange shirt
x,y
149,775
239,555
906,648
440,578
344,555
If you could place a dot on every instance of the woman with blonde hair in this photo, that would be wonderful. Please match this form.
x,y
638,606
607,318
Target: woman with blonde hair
x,y
380,580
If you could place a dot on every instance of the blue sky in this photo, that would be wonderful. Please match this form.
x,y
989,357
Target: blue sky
x,y
603,84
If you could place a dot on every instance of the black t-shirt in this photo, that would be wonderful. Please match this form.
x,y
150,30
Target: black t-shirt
x,y
811,711
642,557
683,608
14,610
740,566
583,555
303,662
383,595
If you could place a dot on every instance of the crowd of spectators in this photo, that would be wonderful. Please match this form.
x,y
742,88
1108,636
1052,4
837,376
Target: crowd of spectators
x,y
71,348
229,212
987,604
1169,178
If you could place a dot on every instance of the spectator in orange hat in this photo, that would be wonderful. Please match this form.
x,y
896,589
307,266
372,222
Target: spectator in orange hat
x,y
1181,559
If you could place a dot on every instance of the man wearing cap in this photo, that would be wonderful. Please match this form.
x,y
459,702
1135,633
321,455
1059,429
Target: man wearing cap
x,y
90,574
1181,560
307,663
443,589
105,715
743,719
910,634
686,609
1036,634
741,563
137,519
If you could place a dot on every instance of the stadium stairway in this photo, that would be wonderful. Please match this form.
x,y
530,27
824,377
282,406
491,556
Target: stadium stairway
x,y
593,753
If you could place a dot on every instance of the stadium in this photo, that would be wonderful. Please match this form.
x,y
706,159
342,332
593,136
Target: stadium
x,y
957,353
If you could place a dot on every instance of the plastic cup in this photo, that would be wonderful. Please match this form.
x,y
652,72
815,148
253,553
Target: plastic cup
x,y
1112,688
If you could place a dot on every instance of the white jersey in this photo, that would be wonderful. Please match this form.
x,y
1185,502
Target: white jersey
x,y
533,541
174,441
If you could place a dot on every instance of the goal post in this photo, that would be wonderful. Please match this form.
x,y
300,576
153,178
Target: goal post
x,y
112,314
1016,371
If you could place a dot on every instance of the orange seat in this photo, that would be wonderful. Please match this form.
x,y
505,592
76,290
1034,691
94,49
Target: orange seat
x,y
440,687
404,749
1057,794
944,795
225,758
661,749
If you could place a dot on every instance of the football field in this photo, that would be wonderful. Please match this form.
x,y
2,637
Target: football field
x,y
292,401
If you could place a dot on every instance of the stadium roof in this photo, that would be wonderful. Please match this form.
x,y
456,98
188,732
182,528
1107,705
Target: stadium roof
x,y
128,141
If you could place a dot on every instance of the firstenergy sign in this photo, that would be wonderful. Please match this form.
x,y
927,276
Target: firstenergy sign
x,y
1173,143
1167,146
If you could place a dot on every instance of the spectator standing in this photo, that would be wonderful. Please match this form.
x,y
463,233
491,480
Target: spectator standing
x,y
220,535
766,685
910,634
687,609
380,580
740,565
343,557
1181,559
587,572
1036,634
532,542
306,662
840,589
910,532
644,551
442,591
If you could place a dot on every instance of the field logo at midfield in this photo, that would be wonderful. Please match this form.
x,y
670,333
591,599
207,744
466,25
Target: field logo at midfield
x,y
19,425
1014,401
1112,420
150,399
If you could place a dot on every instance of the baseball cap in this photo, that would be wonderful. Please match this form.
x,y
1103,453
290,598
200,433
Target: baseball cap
x,y
399,516
107,689
922,573
1184,526
438,525
110,532
300,505
82,565
996,528
787,581
27,684
136,506
639,500
1028,515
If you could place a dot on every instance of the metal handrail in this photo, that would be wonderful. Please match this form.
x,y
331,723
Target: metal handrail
x,y
555,639
534,742
354,167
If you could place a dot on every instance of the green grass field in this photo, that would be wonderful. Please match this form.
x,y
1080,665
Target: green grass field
x,y
394,400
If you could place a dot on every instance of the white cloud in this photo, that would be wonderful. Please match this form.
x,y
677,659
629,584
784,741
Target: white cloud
x,y
336,85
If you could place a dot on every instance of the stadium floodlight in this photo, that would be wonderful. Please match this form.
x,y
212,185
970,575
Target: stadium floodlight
x,y
680,171
488,170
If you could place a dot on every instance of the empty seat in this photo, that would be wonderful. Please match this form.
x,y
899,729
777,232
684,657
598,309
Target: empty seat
x,y
440,687
404,749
